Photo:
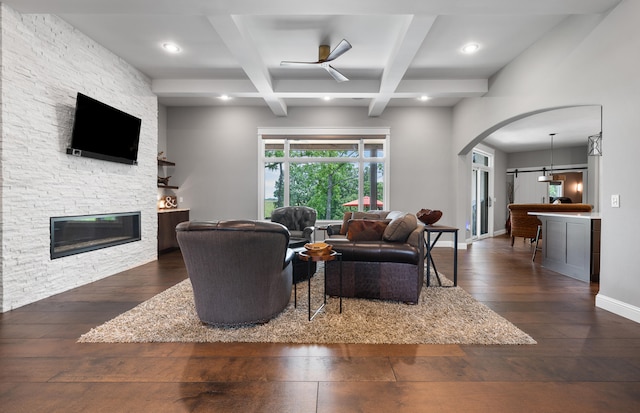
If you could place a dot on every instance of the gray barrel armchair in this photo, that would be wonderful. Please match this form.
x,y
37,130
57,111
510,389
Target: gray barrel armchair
x,y
241,270
299,220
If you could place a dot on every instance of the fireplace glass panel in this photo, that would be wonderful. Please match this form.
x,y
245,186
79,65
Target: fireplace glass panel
x,y
83,233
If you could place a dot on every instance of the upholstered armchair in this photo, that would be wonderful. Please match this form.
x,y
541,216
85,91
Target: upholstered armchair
x,y
299,220
241,271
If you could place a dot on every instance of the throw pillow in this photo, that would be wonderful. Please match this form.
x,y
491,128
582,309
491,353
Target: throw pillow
x,y
345,223
355,215
399,228
366,229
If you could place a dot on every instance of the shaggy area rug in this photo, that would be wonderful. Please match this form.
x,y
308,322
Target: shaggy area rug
x,y
443,316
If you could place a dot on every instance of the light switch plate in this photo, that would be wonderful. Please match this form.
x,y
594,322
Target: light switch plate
x,y
615,201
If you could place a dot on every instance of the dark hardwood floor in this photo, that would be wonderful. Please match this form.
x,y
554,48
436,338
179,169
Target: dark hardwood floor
x,y
586,359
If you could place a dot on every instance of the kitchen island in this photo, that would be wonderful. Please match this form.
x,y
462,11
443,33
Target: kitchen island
x,y
571,243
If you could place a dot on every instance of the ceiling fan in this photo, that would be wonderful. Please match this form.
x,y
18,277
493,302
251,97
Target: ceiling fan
x,y
324,57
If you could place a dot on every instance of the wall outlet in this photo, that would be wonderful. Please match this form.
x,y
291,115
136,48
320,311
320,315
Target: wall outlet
x,y
181,199
615,201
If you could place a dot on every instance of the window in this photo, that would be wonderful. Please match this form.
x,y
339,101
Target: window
x,y
480,159
330,173
556,190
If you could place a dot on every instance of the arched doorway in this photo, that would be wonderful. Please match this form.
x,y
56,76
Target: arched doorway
x,y
527,138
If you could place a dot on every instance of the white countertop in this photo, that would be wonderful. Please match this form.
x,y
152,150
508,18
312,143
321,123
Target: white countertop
x,y
161,211
584,215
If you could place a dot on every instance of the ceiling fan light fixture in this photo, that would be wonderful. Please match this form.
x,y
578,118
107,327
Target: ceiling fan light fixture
x,y
470,48
324,58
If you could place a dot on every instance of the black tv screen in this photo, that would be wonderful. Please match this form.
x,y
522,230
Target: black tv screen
x,y
103,132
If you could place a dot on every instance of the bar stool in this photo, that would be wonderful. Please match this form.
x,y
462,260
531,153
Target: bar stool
x,y
537,240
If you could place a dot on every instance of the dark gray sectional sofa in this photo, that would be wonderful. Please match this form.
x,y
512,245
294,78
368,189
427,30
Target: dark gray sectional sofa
x,y
389,268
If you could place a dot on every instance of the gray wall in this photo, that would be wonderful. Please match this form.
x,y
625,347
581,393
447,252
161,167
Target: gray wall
x,y
162,128
500,192
216,155
587,60
537,159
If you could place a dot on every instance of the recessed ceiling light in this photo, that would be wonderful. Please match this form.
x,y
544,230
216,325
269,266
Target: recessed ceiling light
x,y
225,97
327,98
470,48
171,47
423,98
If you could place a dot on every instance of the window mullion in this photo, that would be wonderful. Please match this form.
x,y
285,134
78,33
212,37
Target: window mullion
x,y
285,167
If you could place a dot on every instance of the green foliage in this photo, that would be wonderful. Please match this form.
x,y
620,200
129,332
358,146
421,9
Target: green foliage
x,y
324,186
269,206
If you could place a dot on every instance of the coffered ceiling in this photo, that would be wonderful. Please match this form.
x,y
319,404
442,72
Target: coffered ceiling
x,y
402,49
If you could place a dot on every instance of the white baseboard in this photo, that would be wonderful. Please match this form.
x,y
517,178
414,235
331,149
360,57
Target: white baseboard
x,y
444,244
449,244
618,307
499,232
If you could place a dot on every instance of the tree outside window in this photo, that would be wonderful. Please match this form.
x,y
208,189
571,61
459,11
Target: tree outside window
x,y
323,174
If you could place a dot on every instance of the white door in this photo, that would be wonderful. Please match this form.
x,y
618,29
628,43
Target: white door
x,y
527,189
481,195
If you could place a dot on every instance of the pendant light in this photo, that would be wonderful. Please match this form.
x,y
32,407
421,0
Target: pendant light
x,y
548,177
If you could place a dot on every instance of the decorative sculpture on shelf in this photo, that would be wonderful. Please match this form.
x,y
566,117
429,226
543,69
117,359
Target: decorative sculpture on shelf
x,y
170,201
163,181
160,157
428,216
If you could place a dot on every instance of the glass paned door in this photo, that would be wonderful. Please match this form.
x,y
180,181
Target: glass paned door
x,y
480,197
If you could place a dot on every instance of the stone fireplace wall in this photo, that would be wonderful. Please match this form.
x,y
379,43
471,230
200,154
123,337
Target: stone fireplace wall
x,y
44,63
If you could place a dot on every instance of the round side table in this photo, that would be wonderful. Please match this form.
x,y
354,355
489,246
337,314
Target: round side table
x,y
304,256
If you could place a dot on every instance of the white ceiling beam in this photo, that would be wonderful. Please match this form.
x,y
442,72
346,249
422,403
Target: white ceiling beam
x,y
328,86
408,44
238,41
302,89
216,87
444,87
320,95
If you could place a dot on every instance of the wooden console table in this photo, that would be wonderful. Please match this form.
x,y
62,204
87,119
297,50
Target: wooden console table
x,y
167,221
440,229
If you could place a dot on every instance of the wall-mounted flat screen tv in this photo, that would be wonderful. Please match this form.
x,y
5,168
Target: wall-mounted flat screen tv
x,y
103,132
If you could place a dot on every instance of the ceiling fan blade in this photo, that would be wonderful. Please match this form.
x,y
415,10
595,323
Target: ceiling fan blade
x,y
335,74
288,63
340,49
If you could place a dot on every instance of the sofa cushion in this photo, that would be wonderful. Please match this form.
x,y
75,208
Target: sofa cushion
x,y
355,215
366,215
366,229
416,238
395,214
400,227
376,251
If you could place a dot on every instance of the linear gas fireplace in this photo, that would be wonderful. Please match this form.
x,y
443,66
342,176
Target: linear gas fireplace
x,y
83,233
